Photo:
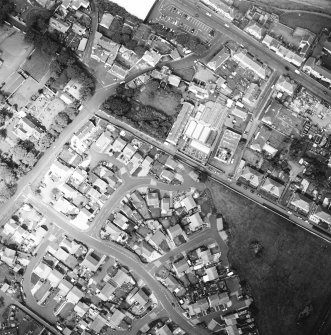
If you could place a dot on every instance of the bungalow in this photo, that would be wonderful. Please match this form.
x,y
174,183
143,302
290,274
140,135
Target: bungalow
x,y
219,59
252,176
81,309
254,29
97,324
104,140
121,221
167,175
93,260
121,278
157,238
211,274
119,144
26,129
59,25
55,277
106,20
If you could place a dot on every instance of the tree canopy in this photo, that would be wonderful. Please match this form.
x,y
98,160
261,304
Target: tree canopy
x,y
6,7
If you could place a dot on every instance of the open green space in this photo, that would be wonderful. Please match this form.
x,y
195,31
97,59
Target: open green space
x,y
313,22
292,271
165,99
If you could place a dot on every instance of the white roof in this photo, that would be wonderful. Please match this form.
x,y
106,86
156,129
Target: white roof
x,y
197,131
190,129
138,8
200,146
204,134
188,203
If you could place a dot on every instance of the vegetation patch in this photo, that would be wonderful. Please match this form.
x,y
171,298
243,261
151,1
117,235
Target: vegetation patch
x,y
292,269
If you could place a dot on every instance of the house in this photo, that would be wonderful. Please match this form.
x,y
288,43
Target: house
x,y
157,238
55,277
98,323
42,270
219,59
119,144
59,25
74,295
300,203
82,44
272,187
316,70
104,140
106,20
181,266
73,88
140,297
93,260
221,8
255,29
167,175
76,4
121,221
252,176
106,292
165,206
252,93
218,299
25,129
285,85
247,62
122,277
189,203
152,199
321,216
164,330
195,221
174,80
82,219
116,318
175,231
78,29
151,57
81,309
211,274
118,70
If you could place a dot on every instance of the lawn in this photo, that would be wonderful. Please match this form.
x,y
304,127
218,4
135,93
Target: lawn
x,y
294,268
165,99
313,22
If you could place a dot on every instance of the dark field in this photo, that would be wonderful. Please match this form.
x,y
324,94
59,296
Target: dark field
x,y
294,268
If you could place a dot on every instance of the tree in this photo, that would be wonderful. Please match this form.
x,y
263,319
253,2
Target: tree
x,y
6,7
7,175
3,133
117,105
45,142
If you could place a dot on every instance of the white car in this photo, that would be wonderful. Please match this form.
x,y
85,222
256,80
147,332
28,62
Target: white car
x,y
208,14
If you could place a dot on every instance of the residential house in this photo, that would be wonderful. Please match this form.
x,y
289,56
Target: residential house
x,y
175,231
272,187
315,69
195,221
247,62
74,295
118,70
220,58
98,323
252,176
157,238
180,267
321,216
255,29
300,203
93,260
26,129
106,20
116,318
81,309
189,203
164,330
211,274
122,277
106,292
152,199
59,25
285,85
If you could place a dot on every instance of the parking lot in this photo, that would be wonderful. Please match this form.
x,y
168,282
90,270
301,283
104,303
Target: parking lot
x,y
177,19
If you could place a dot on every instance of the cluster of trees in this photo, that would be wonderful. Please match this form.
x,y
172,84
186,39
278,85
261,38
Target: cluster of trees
x,y
144,118
66,65
186,40
116,10
6,7
192,42
8,181
123,34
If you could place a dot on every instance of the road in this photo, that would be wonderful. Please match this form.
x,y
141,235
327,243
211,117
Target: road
x,y
94,26
217,22
123,255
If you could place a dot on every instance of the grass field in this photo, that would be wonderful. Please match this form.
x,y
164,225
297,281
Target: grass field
x,y
312,22
293,270
165,100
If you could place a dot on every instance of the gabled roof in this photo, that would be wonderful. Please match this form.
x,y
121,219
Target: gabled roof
x,y
274,188
301,202
323,215
252,176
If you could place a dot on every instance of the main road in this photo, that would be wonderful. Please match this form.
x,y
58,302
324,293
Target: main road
x,y
219,23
